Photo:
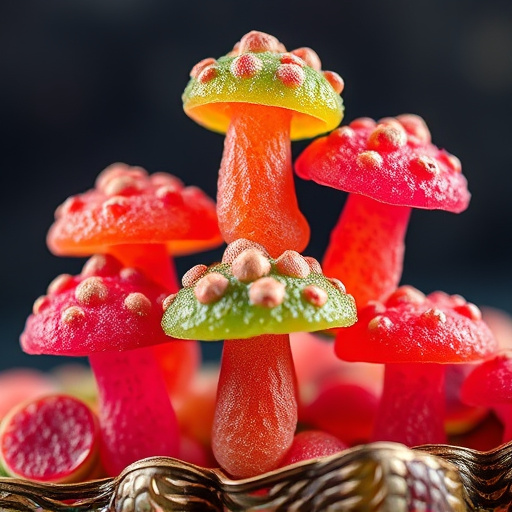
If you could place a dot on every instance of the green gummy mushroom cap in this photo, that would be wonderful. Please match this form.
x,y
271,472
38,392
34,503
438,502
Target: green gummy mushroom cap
x,y
233,316
316,105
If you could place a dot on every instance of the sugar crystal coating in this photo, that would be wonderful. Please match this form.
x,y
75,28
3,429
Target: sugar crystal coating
x,y
138,304
117,310
238,246
210,288
260,71
315,295
267,292
291,263
92,291
291,75
52,438
191,276
274,303
413,327
73,315
250,265
143,209
393,162
314,264
246,66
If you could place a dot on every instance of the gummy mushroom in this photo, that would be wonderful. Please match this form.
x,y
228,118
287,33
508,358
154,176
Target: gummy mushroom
x,y
414,336
253,302
140,219
490,385
262,97
388,168
111,314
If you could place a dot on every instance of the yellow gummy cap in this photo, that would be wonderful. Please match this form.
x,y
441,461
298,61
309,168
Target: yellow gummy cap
x,y
265,78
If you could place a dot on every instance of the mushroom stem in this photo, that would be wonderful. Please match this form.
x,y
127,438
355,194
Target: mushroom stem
x,y
412,407
366,249
256,192
152,260
178,360
256,409
136,416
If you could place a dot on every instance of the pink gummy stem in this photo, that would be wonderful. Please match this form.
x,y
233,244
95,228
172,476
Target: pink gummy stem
x,y
154,261
256,192
136,416
412,407
366,249
256,409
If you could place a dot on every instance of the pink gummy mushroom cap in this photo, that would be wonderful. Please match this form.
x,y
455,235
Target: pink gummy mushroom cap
x,y
413,327
129,206
490,383
105,308
392,161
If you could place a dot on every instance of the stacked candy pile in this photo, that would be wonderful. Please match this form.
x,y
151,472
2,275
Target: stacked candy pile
x,y
282,394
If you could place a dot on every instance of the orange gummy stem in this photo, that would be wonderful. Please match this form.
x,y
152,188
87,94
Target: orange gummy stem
x,y
256,193
366,249
153,260
256,409
412,407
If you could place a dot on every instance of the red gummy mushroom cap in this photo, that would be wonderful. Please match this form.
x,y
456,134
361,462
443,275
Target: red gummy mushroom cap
x,y
105,308
490,383
412,327
128,206
392,161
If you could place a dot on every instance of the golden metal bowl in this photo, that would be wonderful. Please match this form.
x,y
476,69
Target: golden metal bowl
x,y
379,476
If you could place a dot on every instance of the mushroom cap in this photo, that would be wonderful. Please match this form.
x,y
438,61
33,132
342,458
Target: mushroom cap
x,y
128,206
490,383
392,161
250,294
105,308
259,70
411,327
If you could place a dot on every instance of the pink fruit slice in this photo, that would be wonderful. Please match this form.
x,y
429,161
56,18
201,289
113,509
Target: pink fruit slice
x,y
50,439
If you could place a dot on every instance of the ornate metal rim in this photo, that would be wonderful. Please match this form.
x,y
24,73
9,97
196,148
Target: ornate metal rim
x,y
374,477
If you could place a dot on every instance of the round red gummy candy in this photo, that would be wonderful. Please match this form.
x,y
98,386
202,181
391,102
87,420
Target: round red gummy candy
x,y
50,439
311,444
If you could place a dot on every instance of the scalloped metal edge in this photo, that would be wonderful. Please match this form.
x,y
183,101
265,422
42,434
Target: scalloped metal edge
x,y
384,477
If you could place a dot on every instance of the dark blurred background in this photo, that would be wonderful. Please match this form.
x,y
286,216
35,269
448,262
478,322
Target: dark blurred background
x,y
84,83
